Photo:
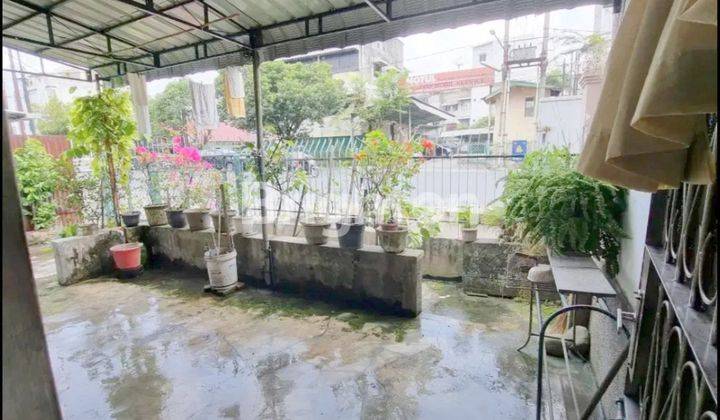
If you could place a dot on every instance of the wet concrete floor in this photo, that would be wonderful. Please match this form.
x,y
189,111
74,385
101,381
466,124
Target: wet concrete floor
x,y
157,347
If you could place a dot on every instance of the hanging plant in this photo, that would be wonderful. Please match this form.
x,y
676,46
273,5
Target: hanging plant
x,y
103,126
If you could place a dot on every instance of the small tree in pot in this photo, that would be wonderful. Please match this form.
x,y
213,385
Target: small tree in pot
x,y
468,222
183,181
103,126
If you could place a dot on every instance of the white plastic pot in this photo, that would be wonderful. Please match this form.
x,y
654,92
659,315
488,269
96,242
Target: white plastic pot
x,y
222,269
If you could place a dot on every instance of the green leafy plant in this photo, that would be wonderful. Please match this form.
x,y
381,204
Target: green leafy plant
x,y
548,202
295,94
385,168
103,126
68,231
493,215
425,223
55,118
466,217
37,178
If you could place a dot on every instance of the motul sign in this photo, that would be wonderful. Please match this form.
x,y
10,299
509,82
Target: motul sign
x,y
480,76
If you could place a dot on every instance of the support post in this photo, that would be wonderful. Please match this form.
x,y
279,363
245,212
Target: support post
x,y
257,91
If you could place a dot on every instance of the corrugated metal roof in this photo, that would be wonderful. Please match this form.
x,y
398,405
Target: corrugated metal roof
x,y
167,46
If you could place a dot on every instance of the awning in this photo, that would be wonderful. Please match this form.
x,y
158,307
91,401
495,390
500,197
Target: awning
x,y
168,38
424,113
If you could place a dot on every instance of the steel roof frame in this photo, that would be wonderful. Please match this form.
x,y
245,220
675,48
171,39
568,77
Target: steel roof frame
x,y
147,8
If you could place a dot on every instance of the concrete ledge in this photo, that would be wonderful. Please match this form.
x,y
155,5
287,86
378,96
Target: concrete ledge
x,y
370,276
385,281
443,258
83,257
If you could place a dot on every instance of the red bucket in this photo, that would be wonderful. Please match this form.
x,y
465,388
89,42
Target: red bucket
x,y
126,256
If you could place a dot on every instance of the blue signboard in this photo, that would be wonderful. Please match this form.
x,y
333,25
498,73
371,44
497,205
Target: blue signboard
x,y
519,149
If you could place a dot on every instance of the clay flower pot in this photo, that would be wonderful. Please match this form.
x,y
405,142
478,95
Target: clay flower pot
x,y
198,219
389,226
314,230
131,218
127,256
155,214
176,218
393,241
225,228
469,234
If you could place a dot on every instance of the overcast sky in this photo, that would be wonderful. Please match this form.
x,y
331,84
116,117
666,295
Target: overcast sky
x,y
444,50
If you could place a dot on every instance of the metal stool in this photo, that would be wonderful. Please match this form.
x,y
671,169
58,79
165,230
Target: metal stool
x,y
541,280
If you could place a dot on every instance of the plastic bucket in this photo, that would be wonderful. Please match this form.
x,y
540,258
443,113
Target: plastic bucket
x,y
222,269
126,256
350,234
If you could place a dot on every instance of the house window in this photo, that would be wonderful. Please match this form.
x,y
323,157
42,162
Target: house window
x,y
530,106
482,57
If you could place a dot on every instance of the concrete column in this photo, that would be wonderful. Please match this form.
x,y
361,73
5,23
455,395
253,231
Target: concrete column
x,y
28,388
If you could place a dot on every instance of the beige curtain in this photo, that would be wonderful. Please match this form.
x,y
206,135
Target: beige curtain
x,y
649,128
235,92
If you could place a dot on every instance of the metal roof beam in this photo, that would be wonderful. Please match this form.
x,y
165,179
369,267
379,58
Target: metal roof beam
x,y
153,11
104,31
48,13
33,14
75,50
222,15
377,10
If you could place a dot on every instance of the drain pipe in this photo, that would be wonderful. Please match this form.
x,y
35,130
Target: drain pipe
x,y
268,271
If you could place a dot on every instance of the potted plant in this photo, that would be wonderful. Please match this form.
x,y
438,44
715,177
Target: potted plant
x,y
130,217
549,203
351,230
91,201
103,126
385,168
315,226
221,222
245,224
392,236
221,261
468,224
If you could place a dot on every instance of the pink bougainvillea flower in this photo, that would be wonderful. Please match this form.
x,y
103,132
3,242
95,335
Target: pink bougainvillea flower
x,y
141,150
177,140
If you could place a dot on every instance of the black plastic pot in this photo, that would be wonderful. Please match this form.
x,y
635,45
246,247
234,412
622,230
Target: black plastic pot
x,y
176,218
350,233
131,219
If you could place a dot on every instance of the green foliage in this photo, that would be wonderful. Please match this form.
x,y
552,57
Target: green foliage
x,y
483,122
55,118
555,79
389,101
37,178
68,231
426,223
168,109
494,215
548,201
385,168
294,94
466,217
103,126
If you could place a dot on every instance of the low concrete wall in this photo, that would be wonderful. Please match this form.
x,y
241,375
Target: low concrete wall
x,y
386,281
443,258
82,257
485,267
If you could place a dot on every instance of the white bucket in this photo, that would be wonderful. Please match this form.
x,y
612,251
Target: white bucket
x,y
222,269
